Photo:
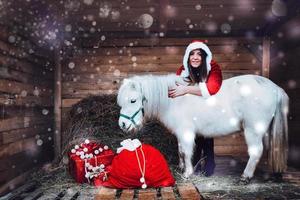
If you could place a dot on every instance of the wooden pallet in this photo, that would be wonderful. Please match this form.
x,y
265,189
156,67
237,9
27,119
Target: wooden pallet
x,y
185,191
31,191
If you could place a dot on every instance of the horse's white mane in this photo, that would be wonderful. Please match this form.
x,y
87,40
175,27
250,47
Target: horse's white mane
x,y
154,89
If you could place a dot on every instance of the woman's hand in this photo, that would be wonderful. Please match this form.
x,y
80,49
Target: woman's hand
x,y
177,91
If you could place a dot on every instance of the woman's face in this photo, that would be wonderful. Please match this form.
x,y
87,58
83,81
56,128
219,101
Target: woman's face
x,y
195,58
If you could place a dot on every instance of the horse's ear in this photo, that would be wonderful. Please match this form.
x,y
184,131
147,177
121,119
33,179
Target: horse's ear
x,y
125,80
131,83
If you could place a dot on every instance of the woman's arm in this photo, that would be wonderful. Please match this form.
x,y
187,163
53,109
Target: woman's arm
x,y
180,90
211,87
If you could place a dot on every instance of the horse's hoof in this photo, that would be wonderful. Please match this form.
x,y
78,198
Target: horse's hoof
x,y
244,180
186,175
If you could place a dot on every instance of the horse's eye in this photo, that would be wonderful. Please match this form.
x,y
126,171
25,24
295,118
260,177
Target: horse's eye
x,y
133,101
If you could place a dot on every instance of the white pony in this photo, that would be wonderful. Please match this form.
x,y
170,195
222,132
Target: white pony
x,y
250,103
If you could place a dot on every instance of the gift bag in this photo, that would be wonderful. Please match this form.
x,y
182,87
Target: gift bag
x,y
137,166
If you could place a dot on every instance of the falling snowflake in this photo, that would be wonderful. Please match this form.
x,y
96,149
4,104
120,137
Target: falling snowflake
x,y
198,7
233,121
23,93
115,14
71,65
230,18
45,111
117,73
245,90
133,59
39,142
260,127
211,101
279,8
292,84
88,2
72,5
145,21
170,11
225,28
68,27
36,91
211,27
11,39
104,10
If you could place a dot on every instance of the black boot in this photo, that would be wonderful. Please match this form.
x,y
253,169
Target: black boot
x,y
208,151
196,160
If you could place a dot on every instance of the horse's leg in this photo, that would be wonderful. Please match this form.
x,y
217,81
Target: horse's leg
x,y
255,150
181,157
186,140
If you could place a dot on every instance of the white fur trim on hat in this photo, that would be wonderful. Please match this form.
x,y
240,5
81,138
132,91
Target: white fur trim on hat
x,y
192,46
204,90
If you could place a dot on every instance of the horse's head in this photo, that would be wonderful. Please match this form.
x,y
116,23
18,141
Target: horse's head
x,y
130,99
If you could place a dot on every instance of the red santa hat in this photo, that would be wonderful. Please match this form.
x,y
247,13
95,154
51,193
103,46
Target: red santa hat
x,y
196,44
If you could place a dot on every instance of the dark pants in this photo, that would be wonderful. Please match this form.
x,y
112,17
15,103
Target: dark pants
x,y
207,146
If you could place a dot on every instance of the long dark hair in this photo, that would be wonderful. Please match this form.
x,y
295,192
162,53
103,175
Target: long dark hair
x,y
198,74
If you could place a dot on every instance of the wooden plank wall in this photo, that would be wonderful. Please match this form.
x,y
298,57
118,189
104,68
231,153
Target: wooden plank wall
x,y
26,108
99,67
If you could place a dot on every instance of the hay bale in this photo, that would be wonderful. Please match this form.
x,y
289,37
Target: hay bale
x,y
96,118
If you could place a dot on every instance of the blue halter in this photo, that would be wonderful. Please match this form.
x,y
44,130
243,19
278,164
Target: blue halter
x,y
135,114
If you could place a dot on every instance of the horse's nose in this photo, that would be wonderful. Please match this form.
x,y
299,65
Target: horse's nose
x,y
123,125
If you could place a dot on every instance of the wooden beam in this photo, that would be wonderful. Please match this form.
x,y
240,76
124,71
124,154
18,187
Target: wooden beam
x,y
163,19
57,104
265,71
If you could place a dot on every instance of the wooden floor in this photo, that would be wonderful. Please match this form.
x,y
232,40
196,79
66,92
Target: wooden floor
x,y
184,191
226,167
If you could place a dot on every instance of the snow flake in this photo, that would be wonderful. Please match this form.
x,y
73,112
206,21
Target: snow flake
x,y
151,9
188,20
71,65
188,136
88,2
23,93
279,8
104,10
292,84
198,7
133,59
115,14
233,121
36,91
225,28
245,90
68,27
230,18
260,127
211,101
211,26
45,111
145,21
11,39
39,142
170,11
117,73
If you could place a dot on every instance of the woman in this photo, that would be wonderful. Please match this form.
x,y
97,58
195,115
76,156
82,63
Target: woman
x,y
205,79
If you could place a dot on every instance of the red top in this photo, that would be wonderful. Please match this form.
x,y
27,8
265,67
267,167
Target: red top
x,y
214,78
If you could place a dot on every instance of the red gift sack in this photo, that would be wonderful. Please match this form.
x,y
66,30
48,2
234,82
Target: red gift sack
x,y
88,160
143,167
